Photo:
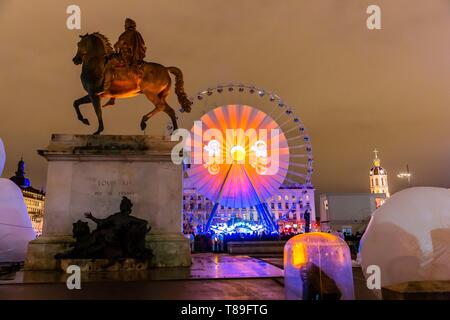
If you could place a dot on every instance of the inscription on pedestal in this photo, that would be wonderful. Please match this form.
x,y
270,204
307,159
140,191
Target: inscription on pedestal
x,y
105,185
98,186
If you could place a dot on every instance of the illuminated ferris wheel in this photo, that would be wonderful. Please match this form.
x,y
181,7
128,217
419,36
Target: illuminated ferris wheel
x,y
245,148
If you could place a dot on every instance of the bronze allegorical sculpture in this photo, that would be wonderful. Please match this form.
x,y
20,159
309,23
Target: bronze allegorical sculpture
x,y
116,237
122,73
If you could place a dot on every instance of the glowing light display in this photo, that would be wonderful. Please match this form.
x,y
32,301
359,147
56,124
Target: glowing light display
x,y
238,227
245,156
317,266
244,168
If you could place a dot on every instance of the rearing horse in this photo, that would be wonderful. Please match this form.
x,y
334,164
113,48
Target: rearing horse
x,y
94,51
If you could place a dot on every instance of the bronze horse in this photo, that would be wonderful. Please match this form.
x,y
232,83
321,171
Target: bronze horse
x,y
94,52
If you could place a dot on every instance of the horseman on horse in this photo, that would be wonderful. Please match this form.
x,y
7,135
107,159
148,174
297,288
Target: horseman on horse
x,y
130,53
123,73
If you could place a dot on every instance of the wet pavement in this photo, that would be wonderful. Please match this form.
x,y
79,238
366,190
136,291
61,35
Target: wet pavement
x,y
204,266
216,289
212,276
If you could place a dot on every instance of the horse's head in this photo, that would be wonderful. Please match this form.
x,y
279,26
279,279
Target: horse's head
x,y
94,44
82,49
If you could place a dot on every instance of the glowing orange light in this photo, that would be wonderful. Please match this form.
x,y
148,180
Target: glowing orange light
x,y
237,153
299,255
244,155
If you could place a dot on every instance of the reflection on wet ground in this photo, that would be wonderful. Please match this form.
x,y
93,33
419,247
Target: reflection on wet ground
x,y
211,276
210,289
204,266
214,266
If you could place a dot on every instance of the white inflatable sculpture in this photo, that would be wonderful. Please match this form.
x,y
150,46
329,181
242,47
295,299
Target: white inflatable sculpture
x,y
409,237
15,225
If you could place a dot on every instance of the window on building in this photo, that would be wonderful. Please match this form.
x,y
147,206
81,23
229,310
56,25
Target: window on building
x,y
286,205
379,202
272,205
279,206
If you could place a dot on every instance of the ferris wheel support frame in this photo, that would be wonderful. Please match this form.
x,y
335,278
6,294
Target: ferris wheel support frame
x,y
261,208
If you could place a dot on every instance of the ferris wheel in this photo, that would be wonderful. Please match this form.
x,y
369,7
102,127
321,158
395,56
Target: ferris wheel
x,y
247,146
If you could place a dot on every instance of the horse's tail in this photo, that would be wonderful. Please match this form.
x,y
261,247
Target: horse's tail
x,y
179,89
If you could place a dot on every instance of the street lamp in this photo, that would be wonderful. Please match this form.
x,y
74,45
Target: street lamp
x,y
405,175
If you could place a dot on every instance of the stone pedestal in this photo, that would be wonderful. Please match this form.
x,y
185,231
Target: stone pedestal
x,y
92,173
418,290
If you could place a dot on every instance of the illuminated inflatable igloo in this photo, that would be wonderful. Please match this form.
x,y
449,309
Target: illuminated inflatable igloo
x,y
317,266
408,237
15,225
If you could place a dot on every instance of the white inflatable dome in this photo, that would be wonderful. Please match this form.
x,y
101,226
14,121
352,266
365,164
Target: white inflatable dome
x,y
15,225
409,237
2,157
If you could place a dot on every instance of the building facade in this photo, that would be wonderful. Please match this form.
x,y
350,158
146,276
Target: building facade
x,y
287,207
351,212
34,199
347,212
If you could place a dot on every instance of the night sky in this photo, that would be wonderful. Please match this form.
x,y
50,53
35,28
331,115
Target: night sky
x,y
355,89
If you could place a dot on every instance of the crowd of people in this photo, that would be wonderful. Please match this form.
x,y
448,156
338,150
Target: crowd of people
x,y
217,242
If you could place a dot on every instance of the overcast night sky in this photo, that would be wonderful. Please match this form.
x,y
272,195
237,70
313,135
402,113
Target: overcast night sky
x,y
354,88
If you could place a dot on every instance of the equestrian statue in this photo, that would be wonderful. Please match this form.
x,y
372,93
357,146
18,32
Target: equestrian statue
x,y
121,72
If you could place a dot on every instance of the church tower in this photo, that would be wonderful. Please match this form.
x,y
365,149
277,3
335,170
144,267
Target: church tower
x,y
378,177
20,179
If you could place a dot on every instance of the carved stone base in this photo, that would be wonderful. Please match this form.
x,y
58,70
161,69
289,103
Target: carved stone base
x,y
418,290
92,173
41,252
102,265
169,250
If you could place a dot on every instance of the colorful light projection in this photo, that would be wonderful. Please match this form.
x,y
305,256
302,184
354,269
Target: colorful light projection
x,y
238,227
245,156
317,266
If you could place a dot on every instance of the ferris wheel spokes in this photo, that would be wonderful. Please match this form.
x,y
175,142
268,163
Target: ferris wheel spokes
x,y
243,189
